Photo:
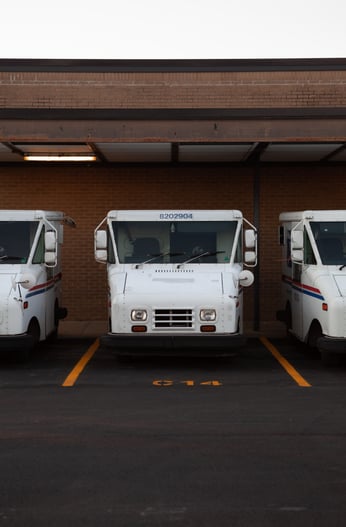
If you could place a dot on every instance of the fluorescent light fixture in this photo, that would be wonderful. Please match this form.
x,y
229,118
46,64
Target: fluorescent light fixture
x,y
55,157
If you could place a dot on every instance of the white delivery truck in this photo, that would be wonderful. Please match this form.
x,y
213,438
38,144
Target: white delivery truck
x,y
30,277
176,279
314,278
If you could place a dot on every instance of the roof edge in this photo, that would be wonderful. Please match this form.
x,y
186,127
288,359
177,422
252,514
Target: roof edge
x,y
175,114
170,65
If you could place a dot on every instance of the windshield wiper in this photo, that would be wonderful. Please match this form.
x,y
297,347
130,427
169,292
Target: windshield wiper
x,y
7,257
201,255
160,255
341,268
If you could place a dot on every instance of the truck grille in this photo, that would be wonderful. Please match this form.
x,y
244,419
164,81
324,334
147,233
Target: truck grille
x,y
173,318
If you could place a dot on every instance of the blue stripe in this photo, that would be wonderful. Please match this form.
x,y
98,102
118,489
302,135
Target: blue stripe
x,y
307,292
39,291
301,289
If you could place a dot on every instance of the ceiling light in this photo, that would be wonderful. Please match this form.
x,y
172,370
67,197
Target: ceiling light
x,y
55,157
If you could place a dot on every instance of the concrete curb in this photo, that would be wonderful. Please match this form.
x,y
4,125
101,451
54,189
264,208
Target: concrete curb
x,y
95,328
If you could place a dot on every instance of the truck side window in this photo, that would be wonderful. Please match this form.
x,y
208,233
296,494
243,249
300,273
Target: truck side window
x,y
110,248
309,257
38,257
288,250
239,251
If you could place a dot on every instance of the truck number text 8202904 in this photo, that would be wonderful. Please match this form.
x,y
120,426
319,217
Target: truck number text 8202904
x,y
176,216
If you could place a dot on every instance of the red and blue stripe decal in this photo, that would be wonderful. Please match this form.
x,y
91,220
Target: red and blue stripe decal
x,y
303,288
43,288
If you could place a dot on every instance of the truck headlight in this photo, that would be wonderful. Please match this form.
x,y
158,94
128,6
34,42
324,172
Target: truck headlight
x,y
207,315
139,315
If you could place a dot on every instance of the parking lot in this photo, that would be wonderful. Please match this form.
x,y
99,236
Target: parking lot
x,y
254,440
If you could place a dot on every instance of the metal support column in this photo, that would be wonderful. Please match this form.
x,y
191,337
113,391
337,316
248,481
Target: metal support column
x,y
256,214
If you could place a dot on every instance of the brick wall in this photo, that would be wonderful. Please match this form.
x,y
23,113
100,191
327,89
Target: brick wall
x,y
280,89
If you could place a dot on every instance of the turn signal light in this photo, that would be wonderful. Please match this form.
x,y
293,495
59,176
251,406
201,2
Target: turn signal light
x,y
324,307
139,329
208,329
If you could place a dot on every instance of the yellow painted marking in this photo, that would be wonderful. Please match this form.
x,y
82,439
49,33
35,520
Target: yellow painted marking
x,y
79,367
211,383
188,383
164,382
284,363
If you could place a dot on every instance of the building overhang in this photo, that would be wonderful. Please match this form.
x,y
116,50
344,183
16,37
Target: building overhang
x,y
54,122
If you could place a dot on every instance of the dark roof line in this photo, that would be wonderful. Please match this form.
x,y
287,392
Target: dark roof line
x,y
179,65
159,114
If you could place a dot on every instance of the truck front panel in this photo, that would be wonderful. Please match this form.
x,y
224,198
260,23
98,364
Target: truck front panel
x,y
175,280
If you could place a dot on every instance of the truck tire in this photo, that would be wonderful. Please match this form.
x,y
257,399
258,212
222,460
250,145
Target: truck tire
x,y
315,332
34,331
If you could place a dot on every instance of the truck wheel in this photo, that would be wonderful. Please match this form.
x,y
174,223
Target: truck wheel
x,y
315,332
34,332
54,334
288,319
328,359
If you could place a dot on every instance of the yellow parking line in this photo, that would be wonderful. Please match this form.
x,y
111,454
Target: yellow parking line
x,y
79,367
284,363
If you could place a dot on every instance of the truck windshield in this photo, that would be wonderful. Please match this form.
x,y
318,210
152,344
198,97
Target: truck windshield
x,y
330,237
16,238
176,242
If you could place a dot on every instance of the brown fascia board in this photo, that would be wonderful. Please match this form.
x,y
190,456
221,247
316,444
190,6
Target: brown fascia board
x,y
161,114
181,65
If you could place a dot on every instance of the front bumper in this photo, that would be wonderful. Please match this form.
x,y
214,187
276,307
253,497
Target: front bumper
x,y
24,342
331,345
199,345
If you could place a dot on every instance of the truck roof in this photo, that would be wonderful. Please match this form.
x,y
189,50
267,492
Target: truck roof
x,y
317,215
30,215
174,214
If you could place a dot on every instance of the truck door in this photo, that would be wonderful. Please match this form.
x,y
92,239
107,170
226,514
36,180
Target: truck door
x,y
297,299
297,263
46,296
303,314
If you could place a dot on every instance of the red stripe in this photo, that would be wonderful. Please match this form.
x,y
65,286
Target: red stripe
x,y
299,284
56,278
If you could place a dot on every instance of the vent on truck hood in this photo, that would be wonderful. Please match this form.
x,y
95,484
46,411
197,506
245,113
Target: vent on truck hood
x,y
176,270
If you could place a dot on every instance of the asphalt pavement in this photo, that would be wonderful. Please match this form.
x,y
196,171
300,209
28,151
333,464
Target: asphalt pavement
x,y
256,440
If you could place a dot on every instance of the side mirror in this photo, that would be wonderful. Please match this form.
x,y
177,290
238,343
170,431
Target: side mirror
x,y
297,240
50,255
101,255
297,255
250,258
26,280
50,259
246,278
101,240
50,241
297,246
250,239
